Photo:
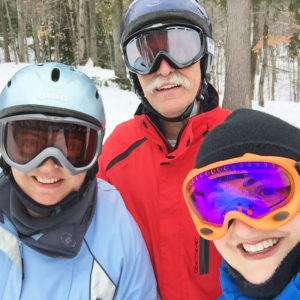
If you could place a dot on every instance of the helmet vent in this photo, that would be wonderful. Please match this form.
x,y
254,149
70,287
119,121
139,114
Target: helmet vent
x,y
55,74
97,95
9,83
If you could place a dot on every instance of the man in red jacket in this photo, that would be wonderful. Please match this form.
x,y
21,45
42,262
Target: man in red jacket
x,y
167,47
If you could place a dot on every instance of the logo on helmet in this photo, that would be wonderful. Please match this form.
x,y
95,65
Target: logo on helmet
x,y
52,96
154,3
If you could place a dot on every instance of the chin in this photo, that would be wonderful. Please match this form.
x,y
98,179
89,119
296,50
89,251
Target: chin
x,y
171,114
47,201
258,277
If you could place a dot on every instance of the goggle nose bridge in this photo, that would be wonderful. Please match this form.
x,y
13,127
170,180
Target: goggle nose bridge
x,y
162,54
298,167
55,160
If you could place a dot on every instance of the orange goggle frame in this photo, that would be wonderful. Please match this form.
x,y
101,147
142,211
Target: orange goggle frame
x,y
262,191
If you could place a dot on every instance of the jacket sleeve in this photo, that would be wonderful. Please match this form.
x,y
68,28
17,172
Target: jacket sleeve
x,y
122,251
137,280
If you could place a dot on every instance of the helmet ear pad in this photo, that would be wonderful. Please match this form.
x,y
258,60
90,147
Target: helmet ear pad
x,y
4,166
137,88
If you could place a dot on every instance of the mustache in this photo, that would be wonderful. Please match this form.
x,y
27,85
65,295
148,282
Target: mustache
x,y
174,78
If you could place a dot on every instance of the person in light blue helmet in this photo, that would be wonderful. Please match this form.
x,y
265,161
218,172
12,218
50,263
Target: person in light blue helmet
x,y
63,233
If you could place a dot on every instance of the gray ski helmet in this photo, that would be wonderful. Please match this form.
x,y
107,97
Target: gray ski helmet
x,y
54,89
145,13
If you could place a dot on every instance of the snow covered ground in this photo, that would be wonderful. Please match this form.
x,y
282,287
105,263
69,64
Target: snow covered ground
x,y
120,105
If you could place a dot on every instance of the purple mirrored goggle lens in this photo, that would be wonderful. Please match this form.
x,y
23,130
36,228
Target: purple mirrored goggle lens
x,y
252,188
183,46
25,139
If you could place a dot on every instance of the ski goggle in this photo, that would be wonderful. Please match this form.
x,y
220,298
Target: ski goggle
x,y
262,191
27,141
181,46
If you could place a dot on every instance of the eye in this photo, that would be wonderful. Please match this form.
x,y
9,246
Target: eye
x,y
266,191
249,182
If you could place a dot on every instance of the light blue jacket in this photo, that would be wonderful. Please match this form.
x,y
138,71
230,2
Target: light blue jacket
x,y
113,262
231,292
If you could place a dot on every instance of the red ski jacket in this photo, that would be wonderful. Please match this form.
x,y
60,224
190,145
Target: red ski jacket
x,y
141,164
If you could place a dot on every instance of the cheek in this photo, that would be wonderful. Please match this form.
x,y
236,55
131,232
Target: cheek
x,y
19,177
226,248
78,181
292,231
144,80
221,245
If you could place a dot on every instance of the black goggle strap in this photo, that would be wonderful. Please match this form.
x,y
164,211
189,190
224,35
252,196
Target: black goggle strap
x,y
203,256
210,45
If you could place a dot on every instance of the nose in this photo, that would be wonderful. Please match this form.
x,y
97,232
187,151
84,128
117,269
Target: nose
x,y
50,163
164,68
242,229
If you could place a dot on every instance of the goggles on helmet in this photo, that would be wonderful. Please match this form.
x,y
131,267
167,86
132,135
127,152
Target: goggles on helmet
x,y
181,46
262,191
28,140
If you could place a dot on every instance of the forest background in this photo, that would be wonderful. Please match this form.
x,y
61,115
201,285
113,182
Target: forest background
x,y
255,41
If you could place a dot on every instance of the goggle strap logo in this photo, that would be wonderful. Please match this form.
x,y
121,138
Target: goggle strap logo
x,y
210,45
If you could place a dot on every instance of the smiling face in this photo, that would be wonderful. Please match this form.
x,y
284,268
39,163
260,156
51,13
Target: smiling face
x,y
49,183
254,253
171,91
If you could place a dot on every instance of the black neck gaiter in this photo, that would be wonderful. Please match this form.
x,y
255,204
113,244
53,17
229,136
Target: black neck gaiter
x,y
287,269
60,232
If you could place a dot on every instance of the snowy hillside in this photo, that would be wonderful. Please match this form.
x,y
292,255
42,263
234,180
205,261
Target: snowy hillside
x,y
120,105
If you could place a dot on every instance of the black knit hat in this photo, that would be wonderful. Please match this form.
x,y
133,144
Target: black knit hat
x,y
249,131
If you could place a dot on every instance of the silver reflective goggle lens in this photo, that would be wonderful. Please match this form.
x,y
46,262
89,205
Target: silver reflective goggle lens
x,y
28,140
181,46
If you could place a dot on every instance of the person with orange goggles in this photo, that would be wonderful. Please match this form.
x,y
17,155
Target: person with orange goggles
x,y
244,195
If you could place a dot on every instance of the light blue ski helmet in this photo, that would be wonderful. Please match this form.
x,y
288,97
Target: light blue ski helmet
x,y
52,92
54,89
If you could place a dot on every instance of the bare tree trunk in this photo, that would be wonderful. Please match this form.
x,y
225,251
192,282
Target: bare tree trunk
x,y
119,67
93,35
255,39
25,18
87,30
298,81
108,43
56,47
294,81
36,40
57,27
274,76
43,47
12,35
81,41
265,57
42,29
47,43
69,13
215,67
238,56
4,32
21,31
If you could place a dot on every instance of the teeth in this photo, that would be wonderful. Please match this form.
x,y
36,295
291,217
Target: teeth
x,y
46,180
166,87
260,246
